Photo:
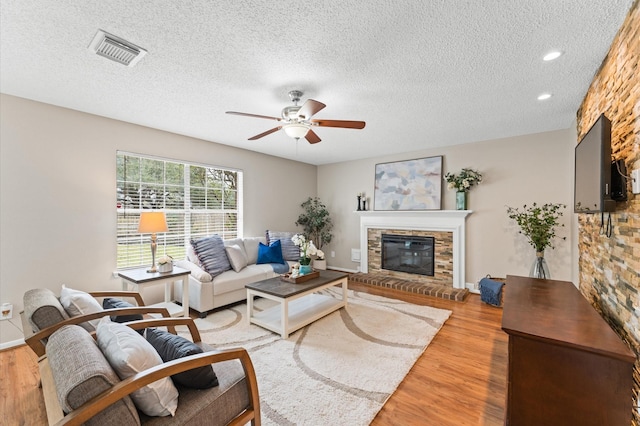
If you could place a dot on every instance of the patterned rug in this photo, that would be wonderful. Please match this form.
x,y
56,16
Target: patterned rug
x,y
339,370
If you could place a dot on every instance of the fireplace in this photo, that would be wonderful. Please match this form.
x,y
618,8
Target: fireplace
x,y
446,226
408,253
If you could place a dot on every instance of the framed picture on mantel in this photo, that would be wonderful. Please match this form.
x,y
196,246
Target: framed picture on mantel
x,y
409,185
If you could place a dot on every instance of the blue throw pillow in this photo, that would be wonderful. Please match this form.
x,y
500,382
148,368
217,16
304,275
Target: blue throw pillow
x,y
270,254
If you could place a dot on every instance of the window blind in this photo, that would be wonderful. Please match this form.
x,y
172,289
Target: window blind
x,y
198,200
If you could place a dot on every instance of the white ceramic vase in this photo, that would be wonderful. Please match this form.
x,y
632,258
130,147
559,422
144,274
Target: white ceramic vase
x,y
320,264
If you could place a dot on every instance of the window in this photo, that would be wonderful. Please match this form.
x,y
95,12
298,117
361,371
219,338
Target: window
x,y
198,200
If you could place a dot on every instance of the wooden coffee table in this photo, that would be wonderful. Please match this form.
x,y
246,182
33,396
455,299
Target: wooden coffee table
x,y
298,304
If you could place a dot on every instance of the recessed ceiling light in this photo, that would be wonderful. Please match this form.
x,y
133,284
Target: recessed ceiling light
x,y
544,96
555,54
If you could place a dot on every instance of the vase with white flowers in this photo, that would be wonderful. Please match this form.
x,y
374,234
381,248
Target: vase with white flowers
x,y
307,249
462,183
165,264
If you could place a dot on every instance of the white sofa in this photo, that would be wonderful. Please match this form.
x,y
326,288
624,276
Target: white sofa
x,y
207,293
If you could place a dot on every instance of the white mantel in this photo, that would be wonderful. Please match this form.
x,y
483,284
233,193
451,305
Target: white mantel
x,y
431,220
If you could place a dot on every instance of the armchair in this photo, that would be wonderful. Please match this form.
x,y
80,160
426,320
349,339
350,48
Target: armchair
x,y
43,314
235,401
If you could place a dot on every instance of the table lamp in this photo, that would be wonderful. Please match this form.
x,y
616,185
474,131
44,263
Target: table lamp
x,y
150,223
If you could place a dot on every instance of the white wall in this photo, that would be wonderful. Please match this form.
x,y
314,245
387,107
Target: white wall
x,y
516,171
57,205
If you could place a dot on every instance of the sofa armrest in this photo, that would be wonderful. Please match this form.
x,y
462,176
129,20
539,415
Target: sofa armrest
x,y
137,381
196,272
37,341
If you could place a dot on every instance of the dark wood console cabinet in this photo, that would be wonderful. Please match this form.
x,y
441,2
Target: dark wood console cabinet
x,y
566,365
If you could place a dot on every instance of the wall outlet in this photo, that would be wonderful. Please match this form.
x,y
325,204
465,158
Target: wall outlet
x,y
333,253
635,181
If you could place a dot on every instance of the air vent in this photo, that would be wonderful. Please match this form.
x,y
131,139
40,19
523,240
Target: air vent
x,y
116,49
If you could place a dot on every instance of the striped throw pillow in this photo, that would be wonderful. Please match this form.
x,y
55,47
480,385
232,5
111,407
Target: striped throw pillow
x,y
212,254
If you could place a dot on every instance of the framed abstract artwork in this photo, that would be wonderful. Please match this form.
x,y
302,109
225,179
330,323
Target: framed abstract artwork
x,y
409,185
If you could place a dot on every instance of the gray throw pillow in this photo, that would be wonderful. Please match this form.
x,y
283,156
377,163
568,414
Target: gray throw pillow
x,y
111,303
212,254
170,346
237,257
289,250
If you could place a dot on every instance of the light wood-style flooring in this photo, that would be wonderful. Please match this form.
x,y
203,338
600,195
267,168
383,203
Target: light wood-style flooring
x,y
459,380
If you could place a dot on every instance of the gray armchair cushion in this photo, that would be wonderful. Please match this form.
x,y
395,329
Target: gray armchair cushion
x,y
42,308
210,407
81,372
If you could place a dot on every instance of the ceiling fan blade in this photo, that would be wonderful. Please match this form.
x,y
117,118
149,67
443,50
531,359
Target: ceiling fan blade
x,y
263,134
254,115
346,124
312,137
309,108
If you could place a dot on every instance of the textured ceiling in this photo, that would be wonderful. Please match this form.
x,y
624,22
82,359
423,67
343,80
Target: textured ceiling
x,y
422,74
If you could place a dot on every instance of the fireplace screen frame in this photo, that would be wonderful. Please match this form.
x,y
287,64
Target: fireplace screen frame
x,y
410,253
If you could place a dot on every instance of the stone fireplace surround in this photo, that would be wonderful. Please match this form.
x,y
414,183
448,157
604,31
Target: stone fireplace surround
x,y
452,221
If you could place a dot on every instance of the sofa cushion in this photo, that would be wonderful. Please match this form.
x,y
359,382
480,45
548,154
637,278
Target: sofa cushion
x,y
81,372
237,257
42,308
129,353
231,281
212,254
77,302
112,303
251,248
215,406
196,272
271,253
289,250
170,346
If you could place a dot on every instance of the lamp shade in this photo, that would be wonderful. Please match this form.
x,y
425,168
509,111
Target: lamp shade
x,y
152,222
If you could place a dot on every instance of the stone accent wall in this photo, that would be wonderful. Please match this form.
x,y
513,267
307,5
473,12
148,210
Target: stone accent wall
x,y
443,250
610,267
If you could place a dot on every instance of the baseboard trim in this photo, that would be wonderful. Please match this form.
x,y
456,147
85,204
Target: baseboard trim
x,y
11,344
335,268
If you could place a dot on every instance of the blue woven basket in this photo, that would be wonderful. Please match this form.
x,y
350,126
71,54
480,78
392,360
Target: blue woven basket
x,y
491,291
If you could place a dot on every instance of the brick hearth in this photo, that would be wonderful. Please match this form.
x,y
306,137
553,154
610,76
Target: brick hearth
x,y
381,280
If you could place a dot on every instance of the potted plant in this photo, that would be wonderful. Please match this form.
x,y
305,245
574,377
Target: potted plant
x,y
165,264
462,183
538,224
316,223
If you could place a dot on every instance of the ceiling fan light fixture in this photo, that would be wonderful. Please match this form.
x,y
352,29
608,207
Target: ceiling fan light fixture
x,y
295,130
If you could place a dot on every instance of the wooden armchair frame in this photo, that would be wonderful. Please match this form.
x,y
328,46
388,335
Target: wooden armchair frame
x,y
36,341
126,387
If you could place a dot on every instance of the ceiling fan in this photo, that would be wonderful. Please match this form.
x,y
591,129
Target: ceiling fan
x,y
297,122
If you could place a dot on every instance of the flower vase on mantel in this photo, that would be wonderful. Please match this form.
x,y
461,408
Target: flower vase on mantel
x,y
461,200
539,269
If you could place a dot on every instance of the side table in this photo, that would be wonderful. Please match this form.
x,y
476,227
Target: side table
x,y
139,279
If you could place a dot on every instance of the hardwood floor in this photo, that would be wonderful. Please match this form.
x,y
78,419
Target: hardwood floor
x,y
459,380
461,377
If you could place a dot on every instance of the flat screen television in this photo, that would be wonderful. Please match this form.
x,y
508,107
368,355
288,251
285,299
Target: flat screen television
x,y
592,192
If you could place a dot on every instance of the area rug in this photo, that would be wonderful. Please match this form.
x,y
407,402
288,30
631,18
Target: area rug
x,y
339,370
